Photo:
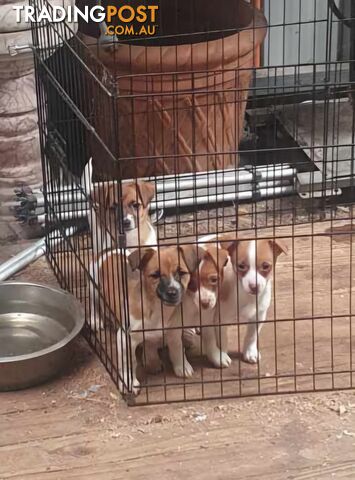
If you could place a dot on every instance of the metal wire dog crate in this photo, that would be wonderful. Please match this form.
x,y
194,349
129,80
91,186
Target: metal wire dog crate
x,y
242,150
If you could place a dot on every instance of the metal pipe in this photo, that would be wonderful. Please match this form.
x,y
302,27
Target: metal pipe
x,y
29,255
188,201
264,192
190,181
18,262
226,178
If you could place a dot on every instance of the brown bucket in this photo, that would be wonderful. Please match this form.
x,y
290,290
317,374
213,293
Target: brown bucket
x,y
181,106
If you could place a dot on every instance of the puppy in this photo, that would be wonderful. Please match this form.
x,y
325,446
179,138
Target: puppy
x,y
104,217
201,301
152,296
246,291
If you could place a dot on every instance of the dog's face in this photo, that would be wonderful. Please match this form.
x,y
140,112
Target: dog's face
x,y
166,273
206,282
254,262
136,198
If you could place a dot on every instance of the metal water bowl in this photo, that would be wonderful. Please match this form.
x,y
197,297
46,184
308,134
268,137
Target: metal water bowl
x,y
38,326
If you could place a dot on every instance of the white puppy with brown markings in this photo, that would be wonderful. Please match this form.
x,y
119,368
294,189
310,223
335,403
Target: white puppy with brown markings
x,y
107,207
246,292
104,225
201,301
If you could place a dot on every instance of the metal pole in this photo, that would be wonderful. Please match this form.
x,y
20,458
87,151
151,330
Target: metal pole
x,y
29,255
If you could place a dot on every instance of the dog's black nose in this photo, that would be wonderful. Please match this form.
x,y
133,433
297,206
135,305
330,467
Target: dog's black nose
x,y
126,223
172,292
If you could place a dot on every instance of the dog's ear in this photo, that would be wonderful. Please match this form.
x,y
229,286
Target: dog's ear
x,y
105,194
278,246
140,257
230,246
219,257
146,192
193,284
192,255
99,193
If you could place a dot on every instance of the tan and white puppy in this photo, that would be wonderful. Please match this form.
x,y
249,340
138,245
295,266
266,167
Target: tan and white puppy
x,y
153,296
201,300
246,292
198,309
104,217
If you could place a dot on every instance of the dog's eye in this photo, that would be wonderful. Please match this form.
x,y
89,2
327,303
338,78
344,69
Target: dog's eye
x,y
181,272
155,274
213,279
242,267
135,205
265,267
114,207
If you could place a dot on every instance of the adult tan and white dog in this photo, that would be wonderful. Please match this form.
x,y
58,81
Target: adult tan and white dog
x,y
153,295
234,286
104,216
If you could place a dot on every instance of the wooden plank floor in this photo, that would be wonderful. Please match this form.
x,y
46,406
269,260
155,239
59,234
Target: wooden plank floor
x,y
306,343
76,427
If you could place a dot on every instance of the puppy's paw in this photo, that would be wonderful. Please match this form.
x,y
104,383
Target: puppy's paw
x,y
251,355
184,371
136,387
220,359
224,360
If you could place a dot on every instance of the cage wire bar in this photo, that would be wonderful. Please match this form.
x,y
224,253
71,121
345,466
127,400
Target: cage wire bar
x,y
254,155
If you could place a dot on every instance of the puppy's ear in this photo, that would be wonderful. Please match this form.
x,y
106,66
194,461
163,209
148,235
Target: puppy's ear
x,y
146,192
278,246
105,194
230,246
223,258
99,194
219,257
139,258
192,255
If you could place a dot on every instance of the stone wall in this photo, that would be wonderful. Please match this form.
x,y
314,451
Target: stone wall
x,y
19,143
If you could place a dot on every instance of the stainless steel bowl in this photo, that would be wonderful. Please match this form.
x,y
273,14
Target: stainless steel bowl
x,y
38,325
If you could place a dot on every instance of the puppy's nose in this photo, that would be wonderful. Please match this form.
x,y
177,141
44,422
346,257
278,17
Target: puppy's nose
x,y
126,222
253,288
205,304
172,292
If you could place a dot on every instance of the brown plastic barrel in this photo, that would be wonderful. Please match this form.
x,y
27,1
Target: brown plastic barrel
x,y
181,105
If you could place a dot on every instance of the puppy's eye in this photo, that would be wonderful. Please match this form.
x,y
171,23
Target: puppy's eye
x,y
181,272
114,207
135,205
155,274
213,279
242,267
265,267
